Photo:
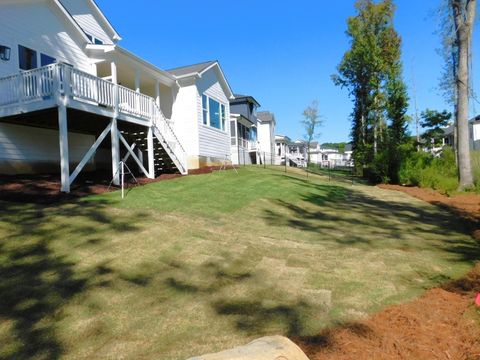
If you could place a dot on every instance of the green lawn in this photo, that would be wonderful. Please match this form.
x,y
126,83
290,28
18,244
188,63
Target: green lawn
x,y
203,263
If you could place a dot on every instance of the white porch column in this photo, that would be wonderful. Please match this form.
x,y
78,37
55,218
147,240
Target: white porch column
x,y
137,81
157,93
63,138
113,68
114,131
151,154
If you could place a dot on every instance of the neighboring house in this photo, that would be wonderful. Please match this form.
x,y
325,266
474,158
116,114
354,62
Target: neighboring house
x,y
266,135
70,95
449,137
475,133
201,113
244,130
282,150
326,157
298,153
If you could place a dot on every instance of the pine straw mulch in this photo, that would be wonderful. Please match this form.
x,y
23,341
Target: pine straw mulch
x,y
444,323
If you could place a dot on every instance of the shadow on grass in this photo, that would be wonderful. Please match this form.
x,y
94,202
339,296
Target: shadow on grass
x,y
35,281
254,317
383,221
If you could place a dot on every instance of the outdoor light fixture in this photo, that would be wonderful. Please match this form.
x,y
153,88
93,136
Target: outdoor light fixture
x,y
4,53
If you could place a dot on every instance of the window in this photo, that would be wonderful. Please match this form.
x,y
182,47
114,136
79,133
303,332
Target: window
x,y
27,58
223,116
205,109
233,134
46,60
94,40
214,113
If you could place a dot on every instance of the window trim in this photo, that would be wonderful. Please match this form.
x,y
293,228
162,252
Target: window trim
x,y
34,57
222,116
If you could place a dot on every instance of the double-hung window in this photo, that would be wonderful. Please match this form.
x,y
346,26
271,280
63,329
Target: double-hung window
x,y
213,113
205,109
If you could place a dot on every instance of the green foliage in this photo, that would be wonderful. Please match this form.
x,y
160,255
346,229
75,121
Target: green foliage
x,y
475,155
338,146
434,121
424,170
372,71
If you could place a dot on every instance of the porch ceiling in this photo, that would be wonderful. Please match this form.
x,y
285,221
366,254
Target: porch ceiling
x,y
78,121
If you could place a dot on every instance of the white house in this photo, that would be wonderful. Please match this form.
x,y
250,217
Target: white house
x,y
204,128
326,157
282,150
266,135
70,95
244,130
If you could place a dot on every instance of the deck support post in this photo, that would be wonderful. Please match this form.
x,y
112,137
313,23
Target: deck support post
x,y
140,157
151,155
63,138
114,129
115,153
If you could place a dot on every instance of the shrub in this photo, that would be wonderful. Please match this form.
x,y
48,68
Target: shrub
x,y
412,167
439,173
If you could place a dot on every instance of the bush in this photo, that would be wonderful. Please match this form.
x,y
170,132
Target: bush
x,y
476,168
439,173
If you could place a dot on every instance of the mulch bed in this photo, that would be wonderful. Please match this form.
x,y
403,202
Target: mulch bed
x,y
45,188
438,325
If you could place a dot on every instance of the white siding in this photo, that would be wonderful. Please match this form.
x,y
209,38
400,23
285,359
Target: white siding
x,y
40,27
83,14
24,145
213,143
184,118
266,137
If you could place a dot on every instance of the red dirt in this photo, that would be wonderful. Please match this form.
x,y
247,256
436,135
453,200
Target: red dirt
x,y
438,325
45,188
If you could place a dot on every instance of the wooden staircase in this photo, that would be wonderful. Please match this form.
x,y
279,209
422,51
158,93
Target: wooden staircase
x,y
163,162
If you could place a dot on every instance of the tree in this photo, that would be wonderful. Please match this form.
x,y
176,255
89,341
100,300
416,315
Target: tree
x,y
463,13
372,71
311,122
434,121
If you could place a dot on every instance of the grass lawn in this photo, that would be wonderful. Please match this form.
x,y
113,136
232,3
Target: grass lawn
x,y
203,263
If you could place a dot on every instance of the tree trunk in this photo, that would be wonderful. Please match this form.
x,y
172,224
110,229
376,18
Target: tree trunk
x,y
464,23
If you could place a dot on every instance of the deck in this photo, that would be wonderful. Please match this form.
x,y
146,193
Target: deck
x,y
63,86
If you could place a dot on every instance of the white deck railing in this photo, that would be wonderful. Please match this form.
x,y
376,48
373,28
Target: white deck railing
x,y
54,80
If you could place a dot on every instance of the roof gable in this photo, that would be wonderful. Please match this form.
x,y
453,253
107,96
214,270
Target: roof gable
x,y
91,19
197,70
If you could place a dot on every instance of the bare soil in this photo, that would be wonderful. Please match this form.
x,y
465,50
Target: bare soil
x,y
444,323
45,188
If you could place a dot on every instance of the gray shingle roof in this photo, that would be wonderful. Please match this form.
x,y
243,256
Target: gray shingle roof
x,y
449,130
265,116
190,69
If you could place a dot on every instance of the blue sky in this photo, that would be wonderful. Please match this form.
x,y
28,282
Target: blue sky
x,y
281,52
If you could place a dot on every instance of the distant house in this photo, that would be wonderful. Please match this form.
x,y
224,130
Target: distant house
x,y
449,135
282,149
244,130
266,135
298,153
327,157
